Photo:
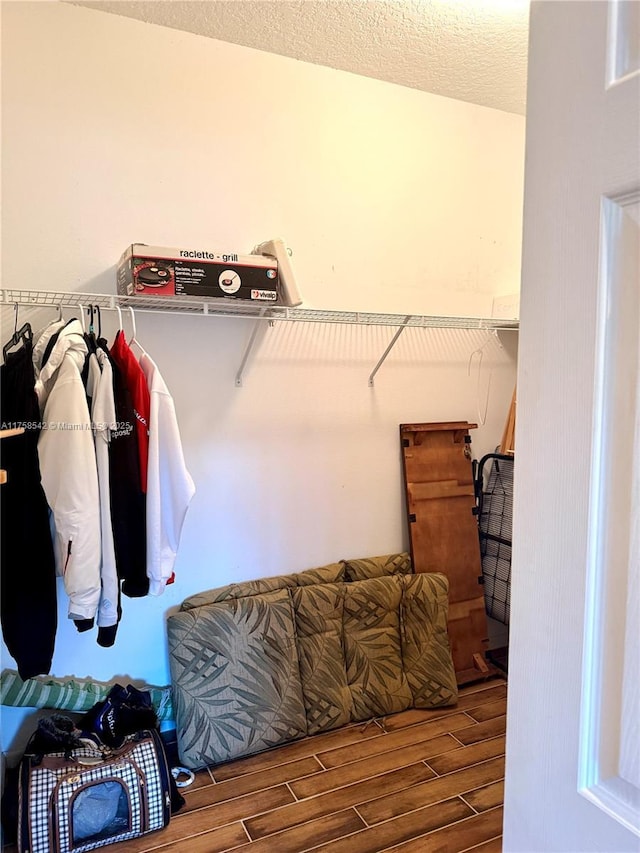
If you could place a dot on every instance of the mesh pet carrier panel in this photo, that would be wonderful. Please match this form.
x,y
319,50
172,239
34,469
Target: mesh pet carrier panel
x,y
495,476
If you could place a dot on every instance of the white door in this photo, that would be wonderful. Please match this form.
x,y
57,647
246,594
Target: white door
x,y
573,747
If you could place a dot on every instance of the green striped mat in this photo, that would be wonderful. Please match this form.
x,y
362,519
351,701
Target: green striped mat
x,y
70,694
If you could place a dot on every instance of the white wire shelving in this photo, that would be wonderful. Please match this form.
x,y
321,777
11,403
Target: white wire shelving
x,y
193,305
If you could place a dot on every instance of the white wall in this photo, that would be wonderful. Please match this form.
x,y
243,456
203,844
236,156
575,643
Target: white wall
x,y
394,200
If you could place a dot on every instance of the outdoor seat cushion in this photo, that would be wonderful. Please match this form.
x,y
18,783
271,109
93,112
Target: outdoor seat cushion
x,y
372,648
235,677
426,653
254,666
377,567
327,697
330,573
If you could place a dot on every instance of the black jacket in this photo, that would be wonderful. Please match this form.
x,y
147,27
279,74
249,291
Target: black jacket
x,y
128,501
28,610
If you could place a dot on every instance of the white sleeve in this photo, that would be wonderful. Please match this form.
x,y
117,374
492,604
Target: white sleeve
x,y
70,482
104,421
169,485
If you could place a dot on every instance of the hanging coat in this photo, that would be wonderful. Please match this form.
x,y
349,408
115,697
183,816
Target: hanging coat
x,y
127,498
68,466
137,386
169,485
103,417
28,602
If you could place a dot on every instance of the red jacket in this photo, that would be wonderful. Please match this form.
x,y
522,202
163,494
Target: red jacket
x,y
136,383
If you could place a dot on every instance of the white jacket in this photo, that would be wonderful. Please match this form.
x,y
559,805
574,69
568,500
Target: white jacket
x,y
103,414
169,485
68,465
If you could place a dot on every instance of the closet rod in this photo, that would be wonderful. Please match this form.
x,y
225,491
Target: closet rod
x,y
220,308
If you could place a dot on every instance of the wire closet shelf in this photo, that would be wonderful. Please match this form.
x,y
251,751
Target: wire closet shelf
x,y
217,308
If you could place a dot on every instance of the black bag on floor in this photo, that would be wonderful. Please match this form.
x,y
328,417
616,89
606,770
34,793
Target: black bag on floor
x,y
125,710
88,795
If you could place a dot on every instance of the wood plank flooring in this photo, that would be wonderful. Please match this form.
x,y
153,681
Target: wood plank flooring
x,y
432,782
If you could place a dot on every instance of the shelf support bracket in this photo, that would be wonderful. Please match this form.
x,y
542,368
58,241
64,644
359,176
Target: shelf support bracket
x,y
248,349
388,349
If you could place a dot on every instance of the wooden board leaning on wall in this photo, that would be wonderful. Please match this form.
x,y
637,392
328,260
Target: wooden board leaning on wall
x,y
443,531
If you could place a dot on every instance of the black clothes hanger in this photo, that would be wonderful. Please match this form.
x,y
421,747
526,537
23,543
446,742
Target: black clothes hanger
x,y
90,338
93,342
21,336
102,343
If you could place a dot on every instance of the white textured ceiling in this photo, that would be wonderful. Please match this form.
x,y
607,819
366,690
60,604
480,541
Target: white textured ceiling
x,y
473,50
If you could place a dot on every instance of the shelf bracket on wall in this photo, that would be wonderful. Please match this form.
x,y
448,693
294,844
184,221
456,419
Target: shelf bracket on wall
x,y
388,350
241,309
249,347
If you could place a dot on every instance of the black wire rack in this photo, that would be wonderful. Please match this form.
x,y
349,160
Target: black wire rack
x,y
495,511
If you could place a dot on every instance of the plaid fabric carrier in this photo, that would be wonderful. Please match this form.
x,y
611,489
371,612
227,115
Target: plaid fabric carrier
x,y
95,798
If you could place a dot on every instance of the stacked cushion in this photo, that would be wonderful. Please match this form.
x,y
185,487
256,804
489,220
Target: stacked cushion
x,y
256,664
325,574
235,676
319,616
377,567
372,648
426,655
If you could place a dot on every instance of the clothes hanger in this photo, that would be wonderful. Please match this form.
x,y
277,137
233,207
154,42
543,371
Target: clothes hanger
x,y
24,335
59,319
133,340
479,352
120,329
101,343
91,337
81,318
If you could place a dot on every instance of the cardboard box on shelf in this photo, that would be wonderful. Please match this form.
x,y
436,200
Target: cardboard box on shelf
x,y
154,271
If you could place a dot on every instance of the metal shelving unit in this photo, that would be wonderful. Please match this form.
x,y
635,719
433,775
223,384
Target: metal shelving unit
x,y
248,310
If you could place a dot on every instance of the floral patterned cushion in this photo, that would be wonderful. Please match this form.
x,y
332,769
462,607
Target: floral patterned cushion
x,y
253,667
327,698
372,649
235,678
324,574
377,567
426,654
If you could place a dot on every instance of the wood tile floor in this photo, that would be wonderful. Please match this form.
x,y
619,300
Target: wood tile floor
x,y
432,782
